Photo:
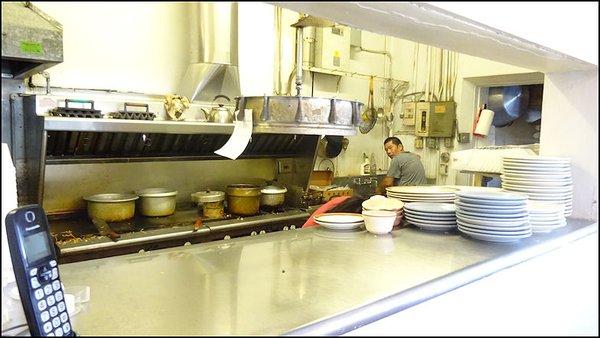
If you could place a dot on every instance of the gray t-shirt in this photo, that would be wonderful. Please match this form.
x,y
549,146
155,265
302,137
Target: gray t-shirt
x,y
406,169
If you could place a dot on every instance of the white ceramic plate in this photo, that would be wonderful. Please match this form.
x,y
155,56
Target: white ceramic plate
x,y
492,222
339,217
486,214
492,195
538,158
491,211
490,207
472,188
428,221
493,238
535,165
340,226
435,227
433,217
537,176
431,207
425,189
545,182
516,230
565,188
490,203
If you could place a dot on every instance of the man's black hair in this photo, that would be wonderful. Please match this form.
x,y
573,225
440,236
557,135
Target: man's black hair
x,y
394,140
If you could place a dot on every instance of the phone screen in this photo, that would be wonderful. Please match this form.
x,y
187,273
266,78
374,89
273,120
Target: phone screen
x,y
36,247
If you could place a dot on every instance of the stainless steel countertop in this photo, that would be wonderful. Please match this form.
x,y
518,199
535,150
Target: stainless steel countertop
x,y
277,282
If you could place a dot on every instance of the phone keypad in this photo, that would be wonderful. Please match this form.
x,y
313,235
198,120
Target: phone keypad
x,y
51,307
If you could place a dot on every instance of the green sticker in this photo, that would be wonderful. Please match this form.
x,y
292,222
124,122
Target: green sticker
x,y
32,47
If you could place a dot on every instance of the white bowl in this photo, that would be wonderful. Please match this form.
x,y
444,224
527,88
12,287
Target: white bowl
x,y
399,214
379,221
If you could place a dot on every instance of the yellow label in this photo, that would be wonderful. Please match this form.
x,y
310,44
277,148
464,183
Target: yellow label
x,y
336,53
440,109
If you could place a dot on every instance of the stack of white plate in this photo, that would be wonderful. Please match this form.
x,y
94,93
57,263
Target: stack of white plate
x,y
431,216
340,220
493,216
543,178
422,193
546,216
472,188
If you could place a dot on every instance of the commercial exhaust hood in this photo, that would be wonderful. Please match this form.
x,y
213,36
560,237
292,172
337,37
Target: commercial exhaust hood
x,y
31,40
213,68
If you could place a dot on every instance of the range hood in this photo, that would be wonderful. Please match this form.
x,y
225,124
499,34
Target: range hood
x,y
213,68
31,40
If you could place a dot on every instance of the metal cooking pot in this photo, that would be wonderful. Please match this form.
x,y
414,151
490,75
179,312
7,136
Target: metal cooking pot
x,y
157,201
272,196
211,202
243,199
111,207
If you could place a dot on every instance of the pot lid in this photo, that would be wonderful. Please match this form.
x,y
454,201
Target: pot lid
x,y
273,189
208,196
111,198
156,192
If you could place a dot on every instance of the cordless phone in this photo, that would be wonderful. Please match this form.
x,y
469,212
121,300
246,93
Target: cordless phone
x,y
36,272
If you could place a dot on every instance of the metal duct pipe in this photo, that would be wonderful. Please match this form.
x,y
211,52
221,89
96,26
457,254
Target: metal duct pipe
x,y
213,51
508,103
299,43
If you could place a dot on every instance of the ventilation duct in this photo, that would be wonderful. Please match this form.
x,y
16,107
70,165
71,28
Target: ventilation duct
x,y
508,103
213,68
31,40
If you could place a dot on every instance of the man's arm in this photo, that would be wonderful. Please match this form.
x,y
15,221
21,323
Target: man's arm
x,y
385,182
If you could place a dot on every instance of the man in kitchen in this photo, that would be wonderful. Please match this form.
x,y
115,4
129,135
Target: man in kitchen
x,y
405,168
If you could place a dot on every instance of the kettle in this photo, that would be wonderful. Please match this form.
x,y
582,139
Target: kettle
x,y
220,114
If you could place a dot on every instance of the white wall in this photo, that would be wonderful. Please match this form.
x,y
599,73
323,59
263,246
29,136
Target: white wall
x,y
570,128
570,27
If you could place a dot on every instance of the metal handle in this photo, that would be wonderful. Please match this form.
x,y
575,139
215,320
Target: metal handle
x,y
265,116
78,101
143,105
223,96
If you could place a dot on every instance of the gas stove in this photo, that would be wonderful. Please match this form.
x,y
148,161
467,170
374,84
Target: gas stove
x,y
78,239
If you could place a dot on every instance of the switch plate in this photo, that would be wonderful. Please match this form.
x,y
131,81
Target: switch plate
x,y
448,142
284,166
432,143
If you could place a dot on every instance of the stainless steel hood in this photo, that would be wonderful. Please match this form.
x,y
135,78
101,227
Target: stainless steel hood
x,y
213,68
31,40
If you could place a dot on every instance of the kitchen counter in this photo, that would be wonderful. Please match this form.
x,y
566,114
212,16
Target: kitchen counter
x,y
303,281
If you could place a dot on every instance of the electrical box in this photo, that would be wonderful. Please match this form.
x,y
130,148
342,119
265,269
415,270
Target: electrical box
x,y
408,113
332,47
435,119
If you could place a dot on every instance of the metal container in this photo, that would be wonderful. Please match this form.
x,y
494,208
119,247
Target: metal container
x,y
294,110
272,196
157,201
211,202
243,199
220,114
111,207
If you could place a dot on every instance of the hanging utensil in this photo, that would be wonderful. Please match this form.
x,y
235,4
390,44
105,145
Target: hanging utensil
x,y
369,117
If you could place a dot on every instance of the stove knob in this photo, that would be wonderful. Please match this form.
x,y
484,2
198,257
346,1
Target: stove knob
x,y
292,227
262,232
253,233
187,243
285,227
227,237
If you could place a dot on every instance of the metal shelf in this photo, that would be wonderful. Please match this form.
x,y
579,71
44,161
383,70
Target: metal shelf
x,y
54,123
135,126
